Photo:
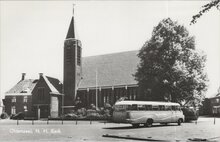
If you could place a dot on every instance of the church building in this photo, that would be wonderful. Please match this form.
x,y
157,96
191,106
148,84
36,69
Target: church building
x,y
97,79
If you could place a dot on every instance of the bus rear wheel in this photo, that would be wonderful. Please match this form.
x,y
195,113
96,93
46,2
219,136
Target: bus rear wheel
x,y
149,123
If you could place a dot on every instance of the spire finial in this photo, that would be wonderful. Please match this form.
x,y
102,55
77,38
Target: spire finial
x,y
73,9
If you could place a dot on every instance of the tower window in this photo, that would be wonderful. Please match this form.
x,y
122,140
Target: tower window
x,y
68,55
78,55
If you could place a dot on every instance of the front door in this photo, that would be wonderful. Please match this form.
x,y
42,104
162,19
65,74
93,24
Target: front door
x,y
38,113
54,107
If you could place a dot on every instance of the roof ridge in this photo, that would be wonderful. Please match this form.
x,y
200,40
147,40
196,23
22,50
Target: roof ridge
x,y
111,53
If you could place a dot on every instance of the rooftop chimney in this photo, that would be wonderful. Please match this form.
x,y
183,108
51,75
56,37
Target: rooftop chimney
x,y
23,76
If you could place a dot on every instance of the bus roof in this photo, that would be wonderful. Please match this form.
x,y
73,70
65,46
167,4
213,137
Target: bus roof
x,y
145,103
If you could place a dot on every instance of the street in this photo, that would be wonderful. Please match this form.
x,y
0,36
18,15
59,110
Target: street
x,y
94,131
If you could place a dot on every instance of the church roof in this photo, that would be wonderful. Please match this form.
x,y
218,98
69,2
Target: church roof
x,y
109,70
23,87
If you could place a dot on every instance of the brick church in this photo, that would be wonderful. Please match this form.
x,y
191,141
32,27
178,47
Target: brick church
x,y
92,80
97,79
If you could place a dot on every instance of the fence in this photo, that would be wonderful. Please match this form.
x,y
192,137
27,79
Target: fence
x,y
61,121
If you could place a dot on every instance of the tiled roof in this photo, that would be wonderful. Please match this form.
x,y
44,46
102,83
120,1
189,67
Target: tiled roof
x,y
111,69
23,87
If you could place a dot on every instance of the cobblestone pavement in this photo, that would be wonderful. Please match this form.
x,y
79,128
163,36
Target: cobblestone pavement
x,y
94,131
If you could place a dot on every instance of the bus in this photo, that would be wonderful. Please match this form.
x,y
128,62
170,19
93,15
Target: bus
x,y
147,113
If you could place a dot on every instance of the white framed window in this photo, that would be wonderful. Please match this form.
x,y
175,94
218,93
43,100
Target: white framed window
x,y
25,99
25,108
13,100
13,110
217,100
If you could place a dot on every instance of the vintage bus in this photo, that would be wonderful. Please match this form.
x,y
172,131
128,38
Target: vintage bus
x,y
147,113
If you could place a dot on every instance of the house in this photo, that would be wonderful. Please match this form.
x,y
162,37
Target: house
x,y
215,104
38,98
1,107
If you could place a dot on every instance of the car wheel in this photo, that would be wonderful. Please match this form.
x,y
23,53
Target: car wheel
x,y
179,121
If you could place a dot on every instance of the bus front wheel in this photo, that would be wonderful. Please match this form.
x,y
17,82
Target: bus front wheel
x,y
149,123
179,121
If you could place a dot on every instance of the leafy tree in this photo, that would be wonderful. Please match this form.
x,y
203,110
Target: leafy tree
x,y
205,8
170,68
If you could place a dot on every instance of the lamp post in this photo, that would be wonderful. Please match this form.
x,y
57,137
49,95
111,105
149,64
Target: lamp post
x,y
96,84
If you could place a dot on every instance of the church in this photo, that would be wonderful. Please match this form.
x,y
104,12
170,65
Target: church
x,y
97,80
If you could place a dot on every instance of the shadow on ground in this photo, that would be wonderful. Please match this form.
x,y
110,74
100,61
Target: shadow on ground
x,y
140,127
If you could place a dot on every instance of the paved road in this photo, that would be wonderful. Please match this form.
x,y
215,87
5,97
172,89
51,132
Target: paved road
x,y
84,131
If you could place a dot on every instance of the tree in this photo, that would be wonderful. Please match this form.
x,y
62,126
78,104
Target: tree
x,y
170,68
205,8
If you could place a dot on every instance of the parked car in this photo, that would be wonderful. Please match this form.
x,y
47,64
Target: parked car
x,y
190,113
18,116
70,116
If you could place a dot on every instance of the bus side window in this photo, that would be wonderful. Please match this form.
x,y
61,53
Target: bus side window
x,y
155,107
134,107
141,107
167,108
148,107
178,108
129,107
174,108
161,107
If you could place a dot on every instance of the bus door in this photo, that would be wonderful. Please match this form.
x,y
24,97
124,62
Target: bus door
x,y
169,114
119,113
174,113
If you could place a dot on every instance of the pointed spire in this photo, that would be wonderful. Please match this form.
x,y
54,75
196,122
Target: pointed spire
x,y
71,31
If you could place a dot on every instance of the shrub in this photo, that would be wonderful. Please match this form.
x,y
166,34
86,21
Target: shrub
x,y
4,115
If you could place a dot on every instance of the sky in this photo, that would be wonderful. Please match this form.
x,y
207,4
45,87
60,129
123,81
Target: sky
x,y
32,33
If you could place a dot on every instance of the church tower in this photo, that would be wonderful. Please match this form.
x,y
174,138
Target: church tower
x,y
72,65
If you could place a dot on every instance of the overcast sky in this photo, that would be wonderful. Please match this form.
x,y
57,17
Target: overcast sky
x,y
32,33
